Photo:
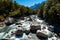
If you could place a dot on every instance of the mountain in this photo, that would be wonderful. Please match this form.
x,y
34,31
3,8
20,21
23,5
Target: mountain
x,y
35,6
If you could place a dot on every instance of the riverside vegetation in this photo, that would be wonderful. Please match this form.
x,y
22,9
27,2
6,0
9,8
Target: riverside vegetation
x,y
48,10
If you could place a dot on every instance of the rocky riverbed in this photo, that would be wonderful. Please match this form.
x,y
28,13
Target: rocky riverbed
x,y
36,29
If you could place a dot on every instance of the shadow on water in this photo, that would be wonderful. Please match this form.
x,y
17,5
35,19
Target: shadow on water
x,y
56,26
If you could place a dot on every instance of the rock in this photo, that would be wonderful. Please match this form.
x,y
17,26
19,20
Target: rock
x,y
19,33
27,32
34,28
18,23
59,34
54,38
51,28
29,36
5,39
43,33
22,18
42,36
39,35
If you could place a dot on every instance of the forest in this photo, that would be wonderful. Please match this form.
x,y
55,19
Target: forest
x,y
9,8
48,10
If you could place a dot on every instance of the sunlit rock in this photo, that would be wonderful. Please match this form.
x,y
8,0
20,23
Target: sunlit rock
x,y
44,32
29,36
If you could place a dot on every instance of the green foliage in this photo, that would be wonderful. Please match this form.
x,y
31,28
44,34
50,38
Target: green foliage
x,y
1,18
50,10
12,9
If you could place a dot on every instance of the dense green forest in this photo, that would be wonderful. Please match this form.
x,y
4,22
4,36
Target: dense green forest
x,y
50,10
9,8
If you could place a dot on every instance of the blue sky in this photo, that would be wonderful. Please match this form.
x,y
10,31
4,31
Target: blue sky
x,y
29,2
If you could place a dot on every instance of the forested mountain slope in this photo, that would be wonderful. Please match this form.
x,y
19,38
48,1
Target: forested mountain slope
x,y
9,8
50,10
